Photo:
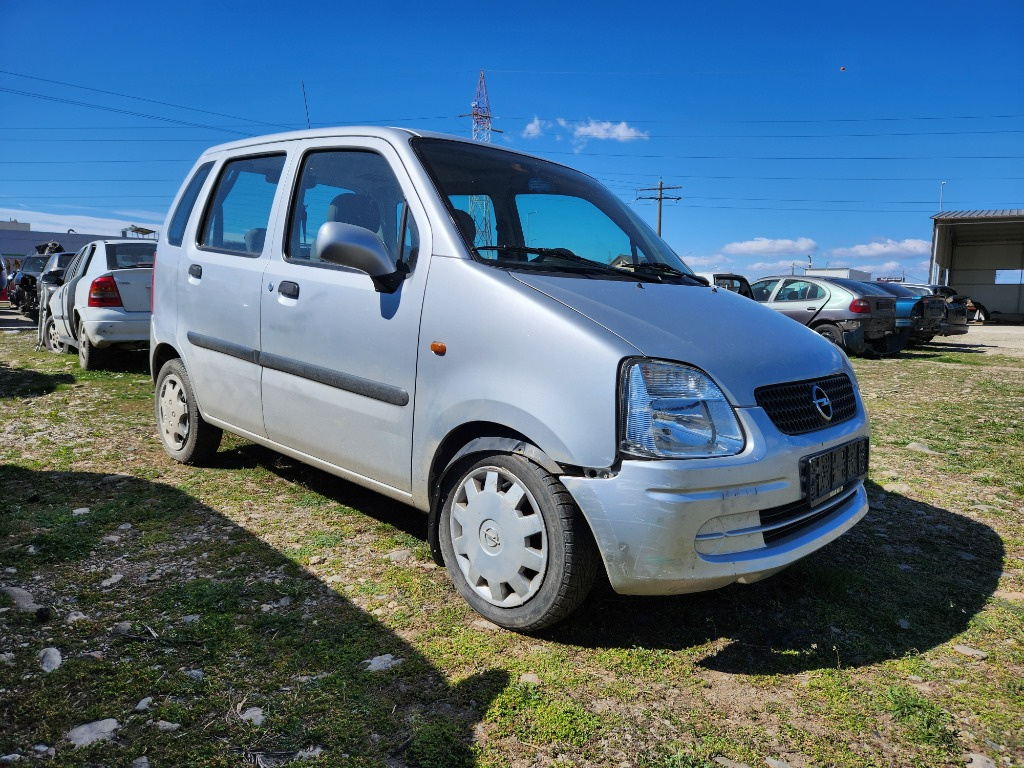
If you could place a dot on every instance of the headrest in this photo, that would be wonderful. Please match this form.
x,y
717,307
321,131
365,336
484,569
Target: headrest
x,y
350,208
466,225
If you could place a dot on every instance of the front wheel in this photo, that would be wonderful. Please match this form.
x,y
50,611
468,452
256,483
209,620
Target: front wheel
x,y
515,543
186,435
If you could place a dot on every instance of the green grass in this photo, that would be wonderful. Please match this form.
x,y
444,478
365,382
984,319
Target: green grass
x,y
844,659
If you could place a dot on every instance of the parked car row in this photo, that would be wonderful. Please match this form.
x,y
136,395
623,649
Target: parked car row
x,y
99,300
864,317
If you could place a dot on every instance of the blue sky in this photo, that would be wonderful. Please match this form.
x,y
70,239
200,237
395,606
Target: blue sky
x,y
781,153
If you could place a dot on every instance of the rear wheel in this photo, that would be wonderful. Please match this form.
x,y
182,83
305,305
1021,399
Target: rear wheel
x,y
832,332
186,435
514,542
50,338
89,358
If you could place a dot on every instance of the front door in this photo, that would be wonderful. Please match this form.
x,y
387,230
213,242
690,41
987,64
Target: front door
x,y
339,358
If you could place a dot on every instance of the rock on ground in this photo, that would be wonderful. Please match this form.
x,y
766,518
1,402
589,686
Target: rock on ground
x,y
22,598
253,715
50,659
381,663
99,730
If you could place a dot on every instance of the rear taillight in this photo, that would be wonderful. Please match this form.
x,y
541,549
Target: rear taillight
x,y
103,293
860,306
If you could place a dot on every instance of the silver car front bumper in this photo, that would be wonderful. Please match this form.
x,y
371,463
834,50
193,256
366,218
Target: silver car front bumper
x,y
670,527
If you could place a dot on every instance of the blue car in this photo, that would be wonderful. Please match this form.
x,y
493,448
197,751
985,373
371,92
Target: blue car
x,y
923,315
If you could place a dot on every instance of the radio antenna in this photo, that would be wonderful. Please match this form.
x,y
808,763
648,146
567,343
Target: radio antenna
x,y
305,101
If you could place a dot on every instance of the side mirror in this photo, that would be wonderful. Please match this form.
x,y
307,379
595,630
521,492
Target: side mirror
x,y
350,246
51,278
700,279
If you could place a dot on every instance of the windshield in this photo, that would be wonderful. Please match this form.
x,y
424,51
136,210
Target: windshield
x,y
896,289
34,264
523,213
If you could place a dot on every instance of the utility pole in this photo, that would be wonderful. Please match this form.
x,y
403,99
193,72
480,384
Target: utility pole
x,y
660,189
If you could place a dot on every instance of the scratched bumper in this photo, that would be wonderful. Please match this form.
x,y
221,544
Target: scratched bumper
x,y
669,527
113,327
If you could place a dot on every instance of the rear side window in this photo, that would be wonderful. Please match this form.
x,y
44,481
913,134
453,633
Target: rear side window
x,y
176,232
238,213
130,255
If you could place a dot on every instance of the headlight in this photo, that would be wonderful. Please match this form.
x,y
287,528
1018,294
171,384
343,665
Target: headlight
x,y
674,411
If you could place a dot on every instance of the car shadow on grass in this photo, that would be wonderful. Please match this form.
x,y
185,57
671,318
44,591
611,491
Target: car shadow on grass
x,y
23,382
219,622
907,578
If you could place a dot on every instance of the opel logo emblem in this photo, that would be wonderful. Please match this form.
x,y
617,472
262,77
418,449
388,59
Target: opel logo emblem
x,y
821,402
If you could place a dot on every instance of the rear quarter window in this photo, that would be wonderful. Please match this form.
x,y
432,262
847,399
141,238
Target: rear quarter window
x,y
176,230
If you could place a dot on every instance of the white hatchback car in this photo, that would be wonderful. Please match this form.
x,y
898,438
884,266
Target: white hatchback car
x,y
105,300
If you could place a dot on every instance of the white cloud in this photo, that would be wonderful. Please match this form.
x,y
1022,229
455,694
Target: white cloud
x,y
714,262
763,246
91,225
535,129
605,129
781,267
885,248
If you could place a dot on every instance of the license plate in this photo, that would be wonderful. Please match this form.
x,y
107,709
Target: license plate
x,y
826,474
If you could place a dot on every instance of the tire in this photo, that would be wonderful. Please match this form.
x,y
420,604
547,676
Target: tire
x,y
514,542
50,338
186,436
832,332
89,357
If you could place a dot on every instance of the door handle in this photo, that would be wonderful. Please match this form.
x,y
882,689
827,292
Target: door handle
x,y
811,309
196,271
288,289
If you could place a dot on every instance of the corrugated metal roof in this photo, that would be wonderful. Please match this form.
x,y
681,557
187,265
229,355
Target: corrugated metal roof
x,y
1009,213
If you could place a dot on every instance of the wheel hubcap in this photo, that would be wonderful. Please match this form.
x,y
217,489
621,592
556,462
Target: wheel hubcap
x,y
499,537
51,336
173,413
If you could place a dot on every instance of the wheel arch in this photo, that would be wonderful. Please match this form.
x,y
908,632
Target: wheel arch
x,y
162,354
468,440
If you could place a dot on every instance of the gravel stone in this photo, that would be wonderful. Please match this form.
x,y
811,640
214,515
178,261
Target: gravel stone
x,y
164,725
143,704
22,598
75,616
112,580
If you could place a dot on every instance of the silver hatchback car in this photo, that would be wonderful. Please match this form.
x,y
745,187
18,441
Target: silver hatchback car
x,y
498,341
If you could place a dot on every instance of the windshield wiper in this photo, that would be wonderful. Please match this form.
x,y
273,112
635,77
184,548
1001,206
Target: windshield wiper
x,y
657,268
563,254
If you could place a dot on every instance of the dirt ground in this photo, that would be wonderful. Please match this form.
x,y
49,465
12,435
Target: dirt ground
x,y
994,339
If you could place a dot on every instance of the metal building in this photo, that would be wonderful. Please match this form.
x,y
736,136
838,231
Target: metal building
x,y
981,254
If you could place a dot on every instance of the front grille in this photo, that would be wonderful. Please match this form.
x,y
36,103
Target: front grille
x,y
792,409
791,518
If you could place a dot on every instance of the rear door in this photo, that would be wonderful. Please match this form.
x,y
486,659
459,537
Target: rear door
x,y
63,302
219,278
799,299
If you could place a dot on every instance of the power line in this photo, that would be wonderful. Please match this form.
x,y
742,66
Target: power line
x,y
140,98
118,111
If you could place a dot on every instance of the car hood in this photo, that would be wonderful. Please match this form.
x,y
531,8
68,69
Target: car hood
x,y
739,343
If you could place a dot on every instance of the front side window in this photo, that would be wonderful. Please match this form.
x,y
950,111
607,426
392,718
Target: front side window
x,y
238,213
349,186
526,214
